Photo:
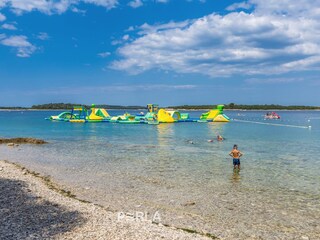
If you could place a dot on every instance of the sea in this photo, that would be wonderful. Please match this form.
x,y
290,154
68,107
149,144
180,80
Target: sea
x,y
179,173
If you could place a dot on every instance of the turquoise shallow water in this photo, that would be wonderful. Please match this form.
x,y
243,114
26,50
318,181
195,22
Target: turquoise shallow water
x,y
156,167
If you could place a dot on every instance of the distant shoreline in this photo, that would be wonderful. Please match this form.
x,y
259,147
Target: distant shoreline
x,y
196,107
57,110
144,109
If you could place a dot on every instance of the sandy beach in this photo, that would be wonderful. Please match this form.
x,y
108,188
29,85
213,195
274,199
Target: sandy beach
x,y
33,207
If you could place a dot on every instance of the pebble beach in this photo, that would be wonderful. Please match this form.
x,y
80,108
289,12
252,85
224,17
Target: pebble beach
x,y
32,207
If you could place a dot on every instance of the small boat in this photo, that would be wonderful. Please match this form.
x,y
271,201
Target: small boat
x,y
271,115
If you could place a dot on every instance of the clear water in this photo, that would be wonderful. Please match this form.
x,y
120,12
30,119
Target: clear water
x,y
156,167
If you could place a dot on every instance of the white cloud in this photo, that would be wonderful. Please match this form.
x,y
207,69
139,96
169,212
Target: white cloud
x,y
8,26
16,41
2,17
301,8
135,3
104,54
52,6
274,80
60,6
43,36
77,10
131,28
109,88
104,3
44,6
241,5
147,29
116,42
269,40
126,37
23,46
3,3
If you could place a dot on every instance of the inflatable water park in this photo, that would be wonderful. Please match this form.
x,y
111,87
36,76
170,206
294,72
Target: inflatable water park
x,y
155,115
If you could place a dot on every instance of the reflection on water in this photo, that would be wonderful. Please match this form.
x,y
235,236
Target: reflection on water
x,y
216,128
235,178
165,133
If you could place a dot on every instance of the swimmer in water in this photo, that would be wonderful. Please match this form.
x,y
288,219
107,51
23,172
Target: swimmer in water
x,y
219,138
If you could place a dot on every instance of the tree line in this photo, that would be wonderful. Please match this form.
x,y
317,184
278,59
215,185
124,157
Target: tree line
x,y
231,106
69,106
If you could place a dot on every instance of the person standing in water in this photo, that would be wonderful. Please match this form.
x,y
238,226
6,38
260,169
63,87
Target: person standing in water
x,y
236,154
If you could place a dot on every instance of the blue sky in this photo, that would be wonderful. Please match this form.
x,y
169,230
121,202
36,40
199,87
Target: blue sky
x,y
169,52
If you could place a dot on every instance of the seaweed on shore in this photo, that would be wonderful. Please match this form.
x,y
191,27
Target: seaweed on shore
x,y
21,140
209,235
48,182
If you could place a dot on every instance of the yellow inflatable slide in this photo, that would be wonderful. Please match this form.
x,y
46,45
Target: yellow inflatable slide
x,y
168,116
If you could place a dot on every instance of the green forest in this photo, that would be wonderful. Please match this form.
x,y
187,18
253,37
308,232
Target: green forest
x,y
70,105
230,106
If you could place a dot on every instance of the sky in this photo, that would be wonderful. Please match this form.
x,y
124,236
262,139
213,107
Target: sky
x,y
170,52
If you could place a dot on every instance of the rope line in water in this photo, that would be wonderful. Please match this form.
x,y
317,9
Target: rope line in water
x,y
272,124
